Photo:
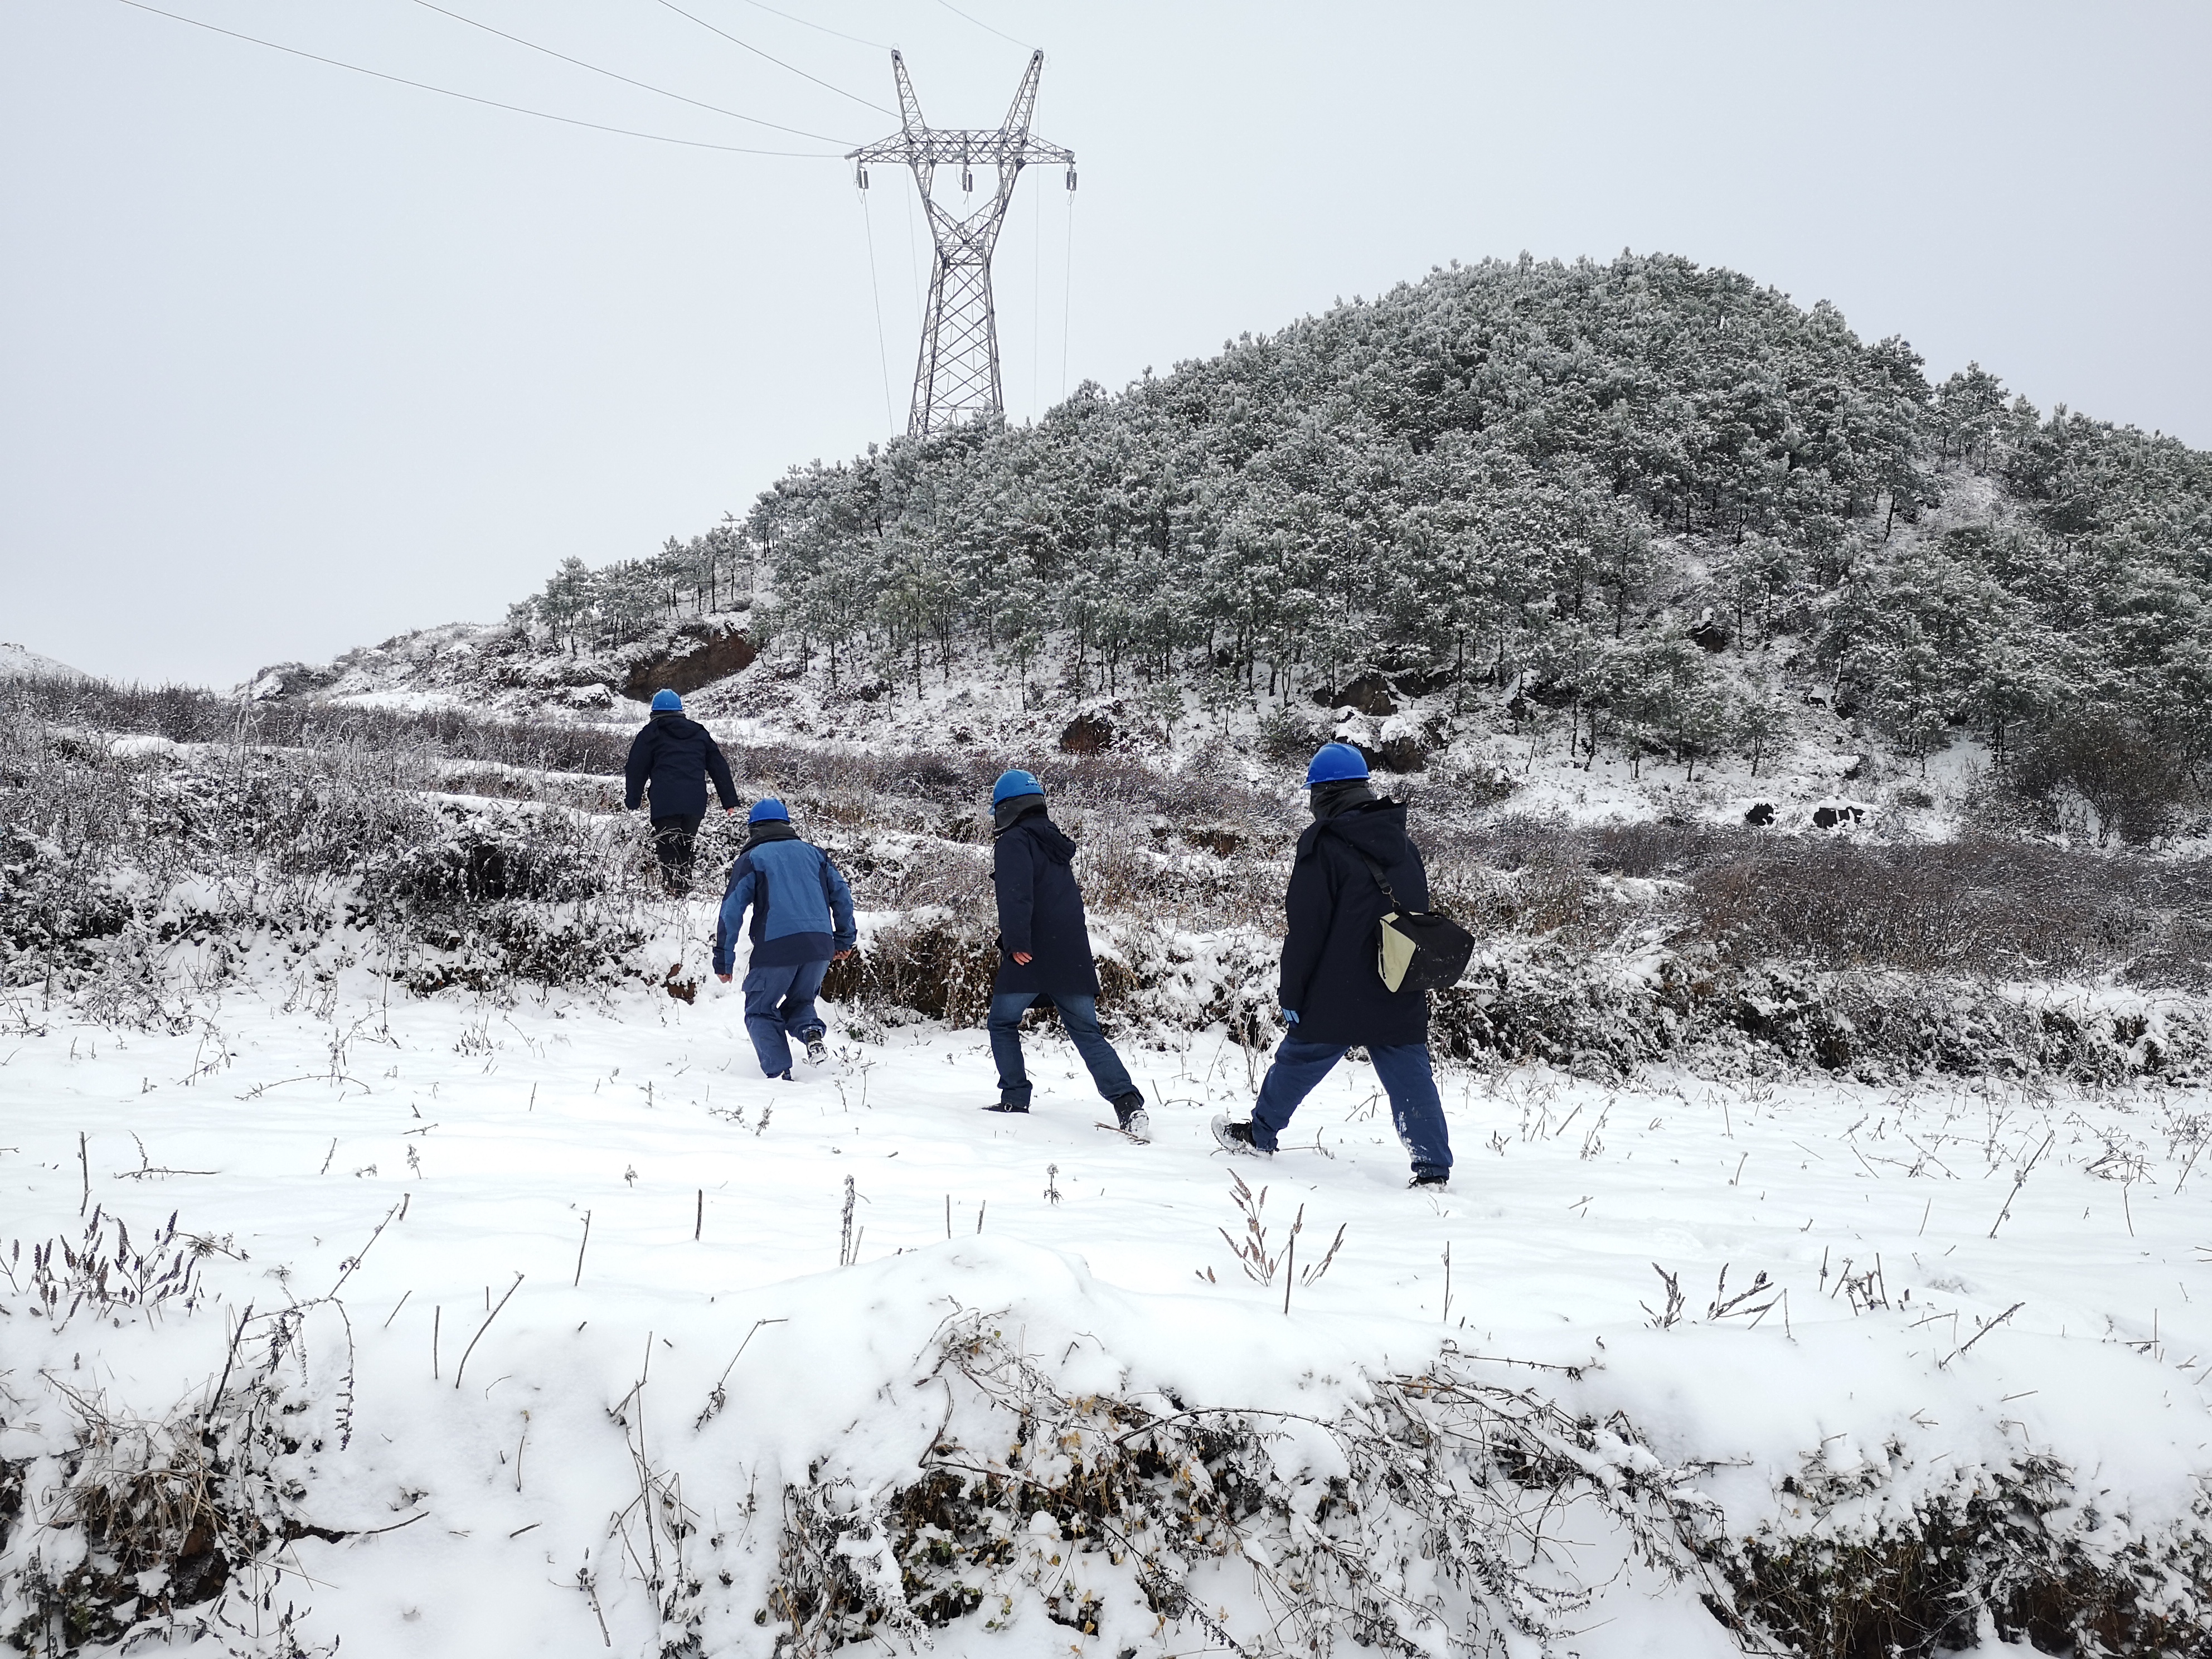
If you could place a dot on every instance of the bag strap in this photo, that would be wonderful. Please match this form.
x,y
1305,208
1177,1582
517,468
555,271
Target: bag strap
x,y
1375,870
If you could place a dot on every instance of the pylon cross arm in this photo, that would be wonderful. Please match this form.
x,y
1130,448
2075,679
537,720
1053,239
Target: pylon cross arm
x,y
939,148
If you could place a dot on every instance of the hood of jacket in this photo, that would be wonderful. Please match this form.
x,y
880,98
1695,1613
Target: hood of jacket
x,y
1050,835
1377,828
1339,795
678,726
766,830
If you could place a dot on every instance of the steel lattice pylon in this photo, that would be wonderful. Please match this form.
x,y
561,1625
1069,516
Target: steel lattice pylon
x,y
956,377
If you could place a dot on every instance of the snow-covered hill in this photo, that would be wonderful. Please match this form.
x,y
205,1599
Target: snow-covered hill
x,y
1507,751
17,661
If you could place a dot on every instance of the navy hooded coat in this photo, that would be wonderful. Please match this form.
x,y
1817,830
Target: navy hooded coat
x,y
1330,979
1039,911
674,757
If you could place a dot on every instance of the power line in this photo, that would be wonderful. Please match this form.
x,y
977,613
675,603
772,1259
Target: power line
x,y
469,97
985,27
778,62
883,353
1067,296
913,263
1037,301
612,74
794,17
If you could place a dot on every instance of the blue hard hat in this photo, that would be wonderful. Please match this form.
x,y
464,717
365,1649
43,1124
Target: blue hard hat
x,y
769,810
667,703
1335,761
1011,784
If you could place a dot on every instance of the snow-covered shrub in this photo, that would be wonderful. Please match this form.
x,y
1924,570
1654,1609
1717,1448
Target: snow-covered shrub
x,y
119,1524
1848,1566
1421,1520
457,858
51,911
1166,978
1978,905
1604,1013
1288,736
935,964
1567,1009
1964,906
189,715
2127,780
135,872
494,949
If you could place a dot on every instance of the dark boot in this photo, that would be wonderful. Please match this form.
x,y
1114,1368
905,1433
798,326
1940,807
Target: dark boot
x,y
1237,1138
1129,1111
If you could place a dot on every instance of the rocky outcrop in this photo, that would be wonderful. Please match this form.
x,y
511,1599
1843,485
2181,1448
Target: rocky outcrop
x,y
700,653
1087,735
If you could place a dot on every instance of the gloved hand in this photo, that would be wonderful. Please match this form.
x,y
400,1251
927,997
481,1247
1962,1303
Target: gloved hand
x,y
1290,1016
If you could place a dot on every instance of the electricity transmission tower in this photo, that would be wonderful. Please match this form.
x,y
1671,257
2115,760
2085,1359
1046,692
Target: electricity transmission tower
x,y
956,376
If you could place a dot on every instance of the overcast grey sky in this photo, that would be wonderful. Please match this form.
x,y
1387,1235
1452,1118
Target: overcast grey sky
x,y
292,359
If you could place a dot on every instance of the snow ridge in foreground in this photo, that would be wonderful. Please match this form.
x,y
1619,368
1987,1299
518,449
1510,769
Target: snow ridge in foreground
x,y
539,1449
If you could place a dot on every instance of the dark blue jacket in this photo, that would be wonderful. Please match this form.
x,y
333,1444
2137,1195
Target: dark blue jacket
x,y
802,909
1330,979
1039,911
675,756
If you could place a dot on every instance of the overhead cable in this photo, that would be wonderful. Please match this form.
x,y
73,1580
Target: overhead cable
x,y
801,132
778,62
794,17
985,27
471,98
883,352
1066,296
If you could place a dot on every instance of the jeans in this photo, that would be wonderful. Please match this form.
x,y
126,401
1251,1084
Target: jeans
x,y
1404,1069
1080,1015
672,844
779,1002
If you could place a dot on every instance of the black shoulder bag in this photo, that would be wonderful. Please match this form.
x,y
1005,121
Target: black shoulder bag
x,y
1416,950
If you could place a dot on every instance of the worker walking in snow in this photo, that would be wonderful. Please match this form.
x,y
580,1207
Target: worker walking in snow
x,y
1350,862
802,921
671,760
1044,950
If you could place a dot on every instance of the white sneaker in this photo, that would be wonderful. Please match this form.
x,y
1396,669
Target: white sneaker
x,y
1138,1125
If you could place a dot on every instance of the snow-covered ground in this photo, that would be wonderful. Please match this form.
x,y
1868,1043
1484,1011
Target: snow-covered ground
x,y
652,1201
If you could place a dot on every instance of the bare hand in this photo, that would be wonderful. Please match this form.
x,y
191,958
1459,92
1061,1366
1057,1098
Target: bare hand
x,y
724,978
1023,958
843,955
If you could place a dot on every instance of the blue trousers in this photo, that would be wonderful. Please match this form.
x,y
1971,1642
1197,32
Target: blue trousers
x,y
1404,1070
780,1004
1080,1016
